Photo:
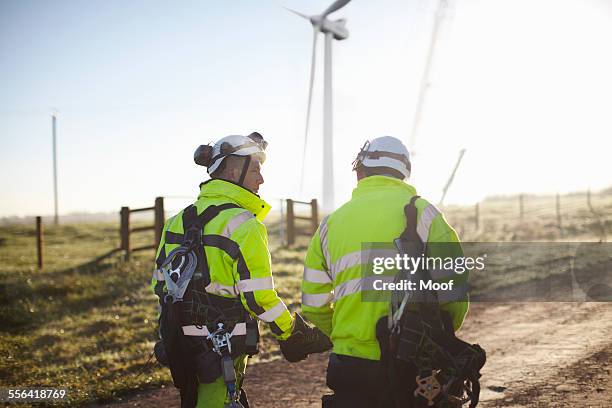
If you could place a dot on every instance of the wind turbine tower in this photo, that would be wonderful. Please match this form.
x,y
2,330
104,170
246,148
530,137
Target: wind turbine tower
x,y
333,30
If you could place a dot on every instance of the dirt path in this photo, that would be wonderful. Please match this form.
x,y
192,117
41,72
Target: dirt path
x,y
535,351
539,354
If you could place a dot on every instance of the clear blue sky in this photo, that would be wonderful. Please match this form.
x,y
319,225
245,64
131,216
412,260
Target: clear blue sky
x,y
524,85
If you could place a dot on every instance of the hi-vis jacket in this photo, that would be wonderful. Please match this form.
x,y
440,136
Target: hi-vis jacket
x,y
244,226
332,281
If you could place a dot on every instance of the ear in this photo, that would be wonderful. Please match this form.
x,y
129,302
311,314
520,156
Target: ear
x,y
359,172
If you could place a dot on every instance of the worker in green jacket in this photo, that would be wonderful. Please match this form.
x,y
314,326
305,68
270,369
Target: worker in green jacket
x,y
333,284
230,283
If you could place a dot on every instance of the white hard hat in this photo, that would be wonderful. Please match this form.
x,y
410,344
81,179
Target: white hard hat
x,y
234,145
385,151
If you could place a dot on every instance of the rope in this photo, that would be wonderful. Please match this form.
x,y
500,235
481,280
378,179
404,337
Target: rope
x,y
146,365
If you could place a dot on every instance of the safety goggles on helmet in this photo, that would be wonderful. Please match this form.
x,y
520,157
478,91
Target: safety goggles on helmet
x,y
227,147
258,138
237,145
361,155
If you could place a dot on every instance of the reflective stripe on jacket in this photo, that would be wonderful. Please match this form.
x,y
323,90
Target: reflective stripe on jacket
x,y
332,280
248,275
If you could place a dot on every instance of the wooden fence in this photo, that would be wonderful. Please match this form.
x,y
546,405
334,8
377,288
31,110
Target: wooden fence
x,y
291,217
125,231
558,209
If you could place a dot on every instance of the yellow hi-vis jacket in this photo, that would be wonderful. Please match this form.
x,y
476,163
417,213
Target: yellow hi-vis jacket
x,y
332,281
254,284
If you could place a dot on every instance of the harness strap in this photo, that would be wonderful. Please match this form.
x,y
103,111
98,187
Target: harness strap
x,y
192,219
245,167
239,329
425,337
410,233
192,235
161,257
192,243
231,248
410,236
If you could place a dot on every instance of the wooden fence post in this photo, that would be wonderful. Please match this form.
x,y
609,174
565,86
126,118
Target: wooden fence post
x,y
314,215
290,223
39,242
558,208
589,199
125,231
281,223
598,216
159,220
477,216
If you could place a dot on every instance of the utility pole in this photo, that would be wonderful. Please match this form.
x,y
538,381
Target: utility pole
x,y
54,124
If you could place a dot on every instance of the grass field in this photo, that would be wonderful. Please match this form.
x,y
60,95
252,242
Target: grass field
x,y
87,328
90,327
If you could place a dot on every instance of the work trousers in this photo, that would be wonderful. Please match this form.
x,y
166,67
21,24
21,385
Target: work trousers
x,y
356,382
215,395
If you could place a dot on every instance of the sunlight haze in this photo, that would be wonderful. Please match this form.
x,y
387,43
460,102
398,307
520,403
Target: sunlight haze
x,y
523,85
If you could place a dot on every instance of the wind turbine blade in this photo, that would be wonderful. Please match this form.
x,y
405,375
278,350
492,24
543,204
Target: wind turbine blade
x,y
297,13
315,35
451,178
337,5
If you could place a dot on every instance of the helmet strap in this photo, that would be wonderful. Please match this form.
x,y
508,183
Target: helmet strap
x,y
245,167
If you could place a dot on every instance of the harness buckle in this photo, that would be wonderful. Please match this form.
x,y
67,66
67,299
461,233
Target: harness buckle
x,y
220,339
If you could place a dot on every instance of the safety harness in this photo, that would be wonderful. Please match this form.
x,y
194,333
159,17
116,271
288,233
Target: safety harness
x,y
425,363
200,332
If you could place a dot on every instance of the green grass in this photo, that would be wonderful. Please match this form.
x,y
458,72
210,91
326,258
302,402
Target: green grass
x,y
90,327
76,325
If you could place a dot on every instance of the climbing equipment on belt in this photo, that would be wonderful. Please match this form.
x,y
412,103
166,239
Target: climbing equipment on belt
x,y
426,363
201,333
223,347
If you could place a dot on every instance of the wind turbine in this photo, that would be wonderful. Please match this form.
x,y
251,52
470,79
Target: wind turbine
x,y
443,5
333,30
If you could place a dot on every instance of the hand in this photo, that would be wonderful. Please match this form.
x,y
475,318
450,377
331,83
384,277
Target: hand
x,y
304,340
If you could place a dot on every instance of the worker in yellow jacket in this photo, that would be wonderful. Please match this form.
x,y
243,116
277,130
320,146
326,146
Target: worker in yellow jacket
x,y
214,281
333,285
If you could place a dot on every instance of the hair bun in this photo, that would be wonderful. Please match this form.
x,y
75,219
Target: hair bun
x,y
203,155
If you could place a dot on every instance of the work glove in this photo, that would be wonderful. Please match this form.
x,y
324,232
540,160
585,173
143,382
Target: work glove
x,y
304,340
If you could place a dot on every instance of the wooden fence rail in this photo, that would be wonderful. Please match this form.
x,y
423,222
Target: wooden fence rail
x,y
558,207
125,231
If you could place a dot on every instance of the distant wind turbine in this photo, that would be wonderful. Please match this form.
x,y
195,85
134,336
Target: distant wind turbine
x,y
425,79
333,30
